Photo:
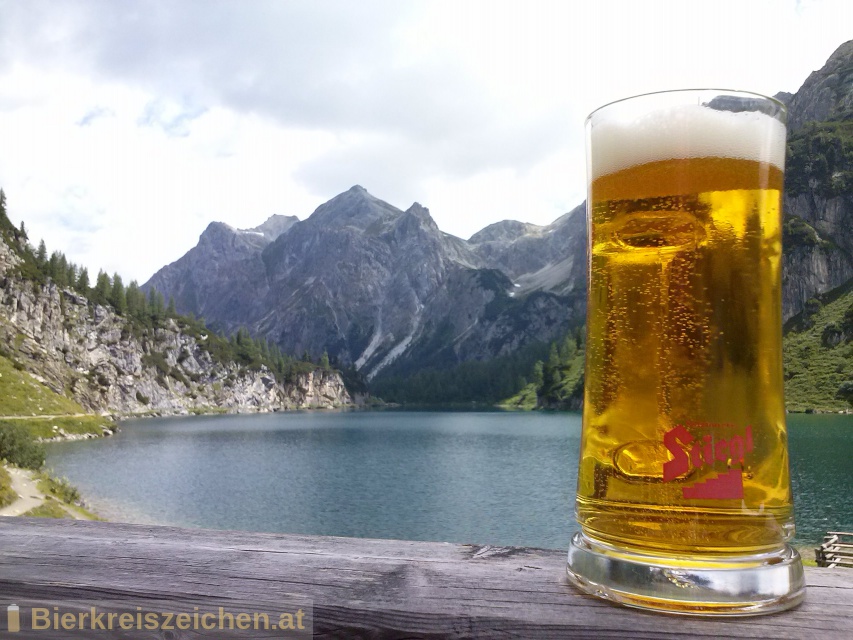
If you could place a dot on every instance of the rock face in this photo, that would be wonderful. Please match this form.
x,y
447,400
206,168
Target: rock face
x,y
817,264
372,284
819,183
826,94
90,353
224,274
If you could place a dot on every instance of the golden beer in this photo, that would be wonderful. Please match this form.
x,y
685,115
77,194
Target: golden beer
x,y
683,458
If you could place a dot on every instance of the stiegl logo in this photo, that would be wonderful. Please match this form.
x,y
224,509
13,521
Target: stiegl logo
x,y
690,453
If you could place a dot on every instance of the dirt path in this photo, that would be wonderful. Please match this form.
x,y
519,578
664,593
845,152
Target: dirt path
x,y
29,495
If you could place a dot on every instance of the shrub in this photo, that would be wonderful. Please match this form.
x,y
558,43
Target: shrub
x,y
59,488
175,372
19,447
845,391
7,494
158,361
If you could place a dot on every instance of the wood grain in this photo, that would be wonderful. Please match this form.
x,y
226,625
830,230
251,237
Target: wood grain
x,y
359,588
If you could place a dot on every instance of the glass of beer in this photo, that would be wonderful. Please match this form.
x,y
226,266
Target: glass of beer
x,y
684,498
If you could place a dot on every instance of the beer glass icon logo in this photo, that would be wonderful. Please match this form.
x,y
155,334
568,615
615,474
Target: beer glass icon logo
x,y
13,618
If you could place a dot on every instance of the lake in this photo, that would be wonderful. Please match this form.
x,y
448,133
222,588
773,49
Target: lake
x,y
472,477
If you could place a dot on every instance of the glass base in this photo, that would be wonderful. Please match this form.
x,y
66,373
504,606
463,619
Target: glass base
x,y
702,585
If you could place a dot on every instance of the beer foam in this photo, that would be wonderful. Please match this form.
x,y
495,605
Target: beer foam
x,y
686,131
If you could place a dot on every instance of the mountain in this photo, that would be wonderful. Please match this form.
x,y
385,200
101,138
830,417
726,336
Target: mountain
x,y
827,94
550,258
818,202
374,285
107,362
387,291
818,275
224,273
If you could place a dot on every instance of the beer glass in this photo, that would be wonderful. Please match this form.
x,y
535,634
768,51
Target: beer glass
x,y
684,498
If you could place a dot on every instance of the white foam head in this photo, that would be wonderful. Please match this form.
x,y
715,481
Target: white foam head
x,y
622,138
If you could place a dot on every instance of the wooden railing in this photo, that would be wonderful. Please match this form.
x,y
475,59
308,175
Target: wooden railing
x,y
345,588
836,550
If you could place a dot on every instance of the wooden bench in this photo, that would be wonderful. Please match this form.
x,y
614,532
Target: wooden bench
x,y
836,550
356,588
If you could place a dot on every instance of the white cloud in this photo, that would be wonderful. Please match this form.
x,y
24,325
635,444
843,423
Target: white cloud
x,y
126,127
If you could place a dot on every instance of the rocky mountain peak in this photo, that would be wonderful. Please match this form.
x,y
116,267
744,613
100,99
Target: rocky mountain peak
x,y
216,234
504,231
421,213
784,97
417,209
274,226
220,238
826,94
354,208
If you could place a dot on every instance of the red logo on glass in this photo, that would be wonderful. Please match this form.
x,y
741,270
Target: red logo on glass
x,y
690,453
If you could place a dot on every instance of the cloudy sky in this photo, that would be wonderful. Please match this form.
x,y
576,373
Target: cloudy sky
x,y
126,127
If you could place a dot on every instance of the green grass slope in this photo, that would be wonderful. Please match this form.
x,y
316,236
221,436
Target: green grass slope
x,y
26,401
818,354
23,395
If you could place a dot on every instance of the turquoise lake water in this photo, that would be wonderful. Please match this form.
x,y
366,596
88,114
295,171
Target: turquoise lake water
x,y
471,477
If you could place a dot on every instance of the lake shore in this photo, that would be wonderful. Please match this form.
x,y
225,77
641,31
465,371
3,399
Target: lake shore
x,y
38,494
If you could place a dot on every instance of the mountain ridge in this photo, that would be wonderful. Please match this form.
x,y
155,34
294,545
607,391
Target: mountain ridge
x,y
368,282
387,291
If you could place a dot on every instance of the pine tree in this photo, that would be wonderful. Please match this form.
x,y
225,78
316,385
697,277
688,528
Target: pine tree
x,y
117,296
83,281
57,268
171,311
568,347
53,266
324,361
538,373
62,271
41,255
71,274
135,301
4,220
101,292
156,306
552,374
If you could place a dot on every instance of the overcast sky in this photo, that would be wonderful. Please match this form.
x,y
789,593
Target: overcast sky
x,y
126,127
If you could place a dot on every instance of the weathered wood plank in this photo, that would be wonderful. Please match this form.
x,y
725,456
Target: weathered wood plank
x,y
359,588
